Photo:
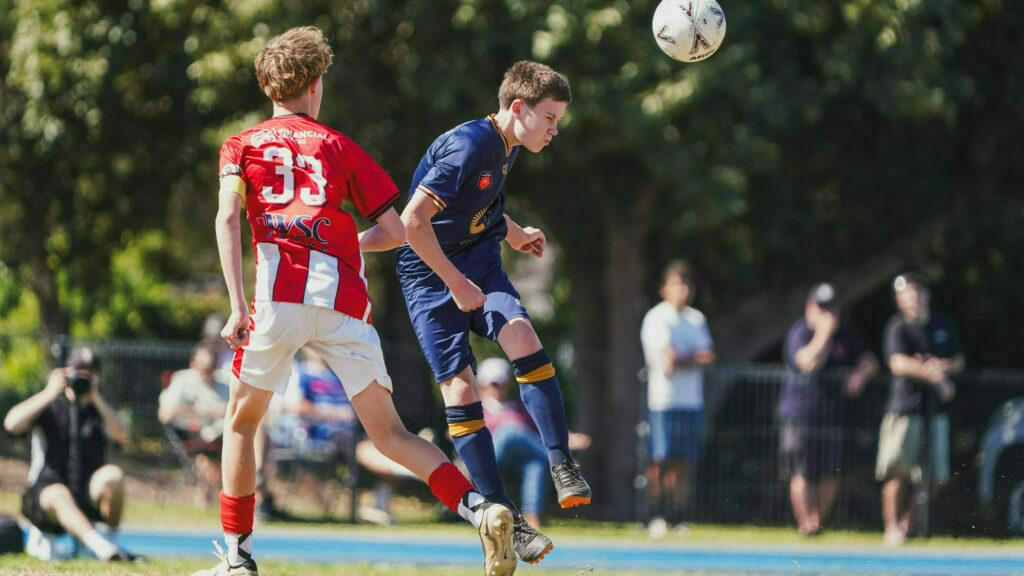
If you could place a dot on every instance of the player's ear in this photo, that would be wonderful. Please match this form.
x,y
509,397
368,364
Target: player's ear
x,y
517,105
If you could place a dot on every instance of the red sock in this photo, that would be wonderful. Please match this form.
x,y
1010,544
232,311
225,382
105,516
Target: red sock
x,y
236,513
449,485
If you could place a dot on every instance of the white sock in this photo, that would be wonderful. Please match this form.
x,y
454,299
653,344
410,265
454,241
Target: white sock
x,y
239,548
103,549
471,507
383,497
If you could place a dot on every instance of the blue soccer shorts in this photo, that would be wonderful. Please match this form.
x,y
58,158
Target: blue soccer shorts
x,y
443,330
676,434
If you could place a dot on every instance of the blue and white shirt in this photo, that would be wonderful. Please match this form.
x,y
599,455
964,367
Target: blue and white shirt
x,y
687,332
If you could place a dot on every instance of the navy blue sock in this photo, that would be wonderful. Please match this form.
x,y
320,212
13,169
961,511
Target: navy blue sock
x,y
539,390
475,446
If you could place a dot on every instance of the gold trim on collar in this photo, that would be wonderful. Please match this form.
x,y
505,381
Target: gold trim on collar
x,y
504,140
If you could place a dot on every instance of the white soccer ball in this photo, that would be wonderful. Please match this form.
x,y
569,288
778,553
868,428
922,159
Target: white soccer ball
x,y
689,30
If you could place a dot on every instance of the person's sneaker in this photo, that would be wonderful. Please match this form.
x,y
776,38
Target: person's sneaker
x,y
248,568
572,489
496,536
894,538
531,545
658,528
39,545
126,556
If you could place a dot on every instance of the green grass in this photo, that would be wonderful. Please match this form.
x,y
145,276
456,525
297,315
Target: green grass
x,y
26,566
142,515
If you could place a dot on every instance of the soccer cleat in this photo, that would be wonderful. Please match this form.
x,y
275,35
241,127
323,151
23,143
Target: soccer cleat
x,y
531,545
572,489
496,536
248,568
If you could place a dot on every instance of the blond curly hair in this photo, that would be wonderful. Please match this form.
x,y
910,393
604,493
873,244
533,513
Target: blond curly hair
x,y
290,62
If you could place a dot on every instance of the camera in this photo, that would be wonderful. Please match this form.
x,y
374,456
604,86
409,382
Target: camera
x,y
80,385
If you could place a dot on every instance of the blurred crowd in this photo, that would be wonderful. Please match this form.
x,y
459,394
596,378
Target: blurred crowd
x,y
827,364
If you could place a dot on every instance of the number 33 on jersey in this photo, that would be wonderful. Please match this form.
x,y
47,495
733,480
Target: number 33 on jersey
x,y
293,174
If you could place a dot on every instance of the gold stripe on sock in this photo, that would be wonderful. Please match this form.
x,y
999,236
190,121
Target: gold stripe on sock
x,y
458,429
543,373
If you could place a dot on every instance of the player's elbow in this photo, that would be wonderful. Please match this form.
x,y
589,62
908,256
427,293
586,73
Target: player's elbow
x,y
397,235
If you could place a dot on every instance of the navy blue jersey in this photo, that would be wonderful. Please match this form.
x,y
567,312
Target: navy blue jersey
x,y
814,397
463,173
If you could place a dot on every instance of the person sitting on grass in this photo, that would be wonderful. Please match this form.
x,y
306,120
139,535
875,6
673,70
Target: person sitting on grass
x,y
70,484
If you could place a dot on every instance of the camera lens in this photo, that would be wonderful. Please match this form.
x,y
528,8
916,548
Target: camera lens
x,y
81,386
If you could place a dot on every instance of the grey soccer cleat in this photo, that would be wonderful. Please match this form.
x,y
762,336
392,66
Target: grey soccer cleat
x,y
572,489
531,545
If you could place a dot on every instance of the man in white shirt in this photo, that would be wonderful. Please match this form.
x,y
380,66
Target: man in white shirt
x,y
677,345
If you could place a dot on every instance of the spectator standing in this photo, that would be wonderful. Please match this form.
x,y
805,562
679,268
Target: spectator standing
x,y
70,484
194,404
818,348
677,346
923,352
517,443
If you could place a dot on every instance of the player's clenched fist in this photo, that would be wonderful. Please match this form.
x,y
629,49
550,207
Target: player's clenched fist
x,y
468,295
236,330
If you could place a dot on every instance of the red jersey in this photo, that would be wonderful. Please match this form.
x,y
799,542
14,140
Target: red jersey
x,y
297,172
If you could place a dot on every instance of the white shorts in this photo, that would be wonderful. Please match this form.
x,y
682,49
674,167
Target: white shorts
x,y
349,346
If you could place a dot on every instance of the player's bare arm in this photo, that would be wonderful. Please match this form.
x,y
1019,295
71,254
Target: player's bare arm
x,y
525,239
388,234
420,235
229,245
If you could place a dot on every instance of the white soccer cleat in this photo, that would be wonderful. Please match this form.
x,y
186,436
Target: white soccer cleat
x,y
224,569
496,536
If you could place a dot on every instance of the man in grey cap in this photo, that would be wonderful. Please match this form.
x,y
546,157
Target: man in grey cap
x,y
71,486
923,351
823,360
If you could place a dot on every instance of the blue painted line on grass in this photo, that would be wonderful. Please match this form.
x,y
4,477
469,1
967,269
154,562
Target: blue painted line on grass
x,y
402,549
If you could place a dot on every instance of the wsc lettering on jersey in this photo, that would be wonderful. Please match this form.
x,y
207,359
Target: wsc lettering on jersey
x,y
296,227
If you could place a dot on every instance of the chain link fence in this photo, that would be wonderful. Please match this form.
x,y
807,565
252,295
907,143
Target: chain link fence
x,y
737,480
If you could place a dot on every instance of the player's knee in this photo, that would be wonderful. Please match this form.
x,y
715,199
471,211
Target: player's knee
x,y
109,474
242,419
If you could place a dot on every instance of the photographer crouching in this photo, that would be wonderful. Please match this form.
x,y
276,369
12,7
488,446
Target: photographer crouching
x,y
70,485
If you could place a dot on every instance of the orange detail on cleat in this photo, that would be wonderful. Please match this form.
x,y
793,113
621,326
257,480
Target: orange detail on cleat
x,y
542,554
573,501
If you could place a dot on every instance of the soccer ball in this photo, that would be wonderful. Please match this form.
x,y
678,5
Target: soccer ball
x,y
689,30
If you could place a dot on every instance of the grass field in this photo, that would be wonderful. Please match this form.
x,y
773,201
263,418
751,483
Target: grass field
x,y
153,515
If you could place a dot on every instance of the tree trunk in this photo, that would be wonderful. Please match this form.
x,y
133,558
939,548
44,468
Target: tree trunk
x,y
624,396
53,321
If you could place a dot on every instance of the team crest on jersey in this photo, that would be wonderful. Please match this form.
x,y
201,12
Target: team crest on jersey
x,y
485,181
231,170
260,138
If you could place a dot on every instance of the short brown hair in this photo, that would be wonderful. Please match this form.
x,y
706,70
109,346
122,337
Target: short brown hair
x,y
532,82
290,62
680,269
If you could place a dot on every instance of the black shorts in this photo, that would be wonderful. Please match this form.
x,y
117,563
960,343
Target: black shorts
x,y
813,452
32,510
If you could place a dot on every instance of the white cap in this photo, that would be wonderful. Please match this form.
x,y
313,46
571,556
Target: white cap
x,y
494,371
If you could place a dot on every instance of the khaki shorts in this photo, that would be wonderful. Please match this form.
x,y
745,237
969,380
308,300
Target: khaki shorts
x,y
899,448
349,346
